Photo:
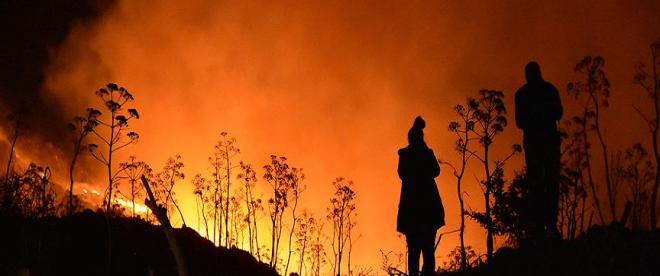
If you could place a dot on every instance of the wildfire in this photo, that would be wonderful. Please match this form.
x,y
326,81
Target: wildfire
x,y
85,191
139,208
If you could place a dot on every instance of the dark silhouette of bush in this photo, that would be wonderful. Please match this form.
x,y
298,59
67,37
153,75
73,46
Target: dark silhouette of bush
x,y
611,250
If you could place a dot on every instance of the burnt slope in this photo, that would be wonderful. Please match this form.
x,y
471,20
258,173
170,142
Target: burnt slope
x,y
77,245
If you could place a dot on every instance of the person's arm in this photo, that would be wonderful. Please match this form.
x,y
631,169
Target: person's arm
x,y
434,166
401,169
557,110
520,110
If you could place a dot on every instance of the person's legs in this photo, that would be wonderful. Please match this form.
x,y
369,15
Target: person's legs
x,y
535,207
428,250
552,173
414,250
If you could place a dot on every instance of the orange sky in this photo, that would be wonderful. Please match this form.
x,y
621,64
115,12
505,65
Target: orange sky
x,y
334,86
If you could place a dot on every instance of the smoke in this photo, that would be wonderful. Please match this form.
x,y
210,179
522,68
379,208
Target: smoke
x,y
332,85
31,30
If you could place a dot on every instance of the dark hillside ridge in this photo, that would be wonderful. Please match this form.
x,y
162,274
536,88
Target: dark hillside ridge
x,y
77,245
610,250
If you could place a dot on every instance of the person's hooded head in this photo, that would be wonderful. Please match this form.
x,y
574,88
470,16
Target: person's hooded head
x,y
533,72
416,133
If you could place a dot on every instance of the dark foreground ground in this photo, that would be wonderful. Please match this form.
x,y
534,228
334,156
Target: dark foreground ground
x,y
602,251
77,245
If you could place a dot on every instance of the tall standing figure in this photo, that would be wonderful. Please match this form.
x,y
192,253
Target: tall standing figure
x,y
420,209
538,110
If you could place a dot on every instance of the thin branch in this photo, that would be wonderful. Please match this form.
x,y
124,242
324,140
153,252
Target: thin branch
x,y
121,169
100,137
501,163
448,164
117,136
101,159
641,114
102,122
474,154
644,85
120,147
479,181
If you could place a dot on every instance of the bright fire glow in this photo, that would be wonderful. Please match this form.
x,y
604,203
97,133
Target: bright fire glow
x,y
334,87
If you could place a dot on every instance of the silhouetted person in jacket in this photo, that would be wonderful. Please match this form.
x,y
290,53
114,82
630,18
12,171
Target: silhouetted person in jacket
x,y
538,110
420,209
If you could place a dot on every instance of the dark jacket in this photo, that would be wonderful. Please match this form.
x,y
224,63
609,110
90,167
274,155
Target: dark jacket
x,y
538,108
420,206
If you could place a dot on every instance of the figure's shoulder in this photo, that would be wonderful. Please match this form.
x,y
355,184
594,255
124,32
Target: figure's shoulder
x,y
431,152
522,90
403,151
550,87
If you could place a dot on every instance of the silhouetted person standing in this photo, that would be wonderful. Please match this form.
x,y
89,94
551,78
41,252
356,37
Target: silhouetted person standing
x,y
420,209
538,109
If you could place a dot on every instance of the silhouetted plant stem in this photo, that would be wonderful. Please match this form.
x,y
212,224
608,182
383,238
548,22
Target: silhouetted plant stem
x,y
489,225
350,245
306,228
462,130
572,191
293,227
273,262
596,86
113,98
228,183
295,179
216,163
279,237
72,167
279,175
317,250
489,110
490,120
656,184
592,185
256,235
81,126
172,172
462,227
215,213
11,152
302,259
16,117
249,215
132,198
654,132
206,222
584,199
176,205
342,205
202,190
249,178
641,78
608,181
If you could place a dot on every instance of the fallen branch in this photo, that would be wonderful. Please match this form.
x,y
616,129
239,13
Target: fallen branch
x,y
161,215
